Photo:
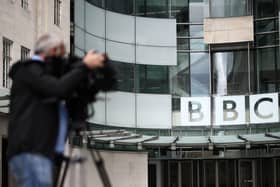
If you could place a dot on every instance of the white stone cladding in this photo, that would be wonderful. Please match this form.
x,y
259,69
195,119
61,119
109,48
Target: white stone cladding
x,y
24,26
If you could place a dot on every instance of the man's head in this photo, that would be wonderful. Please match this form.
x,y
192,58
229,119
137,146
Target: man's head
x,y
49,45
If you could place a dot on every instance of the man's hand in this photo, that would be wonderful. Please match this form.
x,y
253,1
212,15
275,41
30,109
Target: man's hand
x,y
94,60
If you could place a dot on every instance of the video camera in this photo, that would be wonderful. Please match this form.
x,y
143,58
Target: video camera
x,y
100,79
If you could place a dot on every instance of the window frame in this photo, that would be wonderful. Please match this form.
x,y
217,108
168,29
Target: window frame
x,y
7,48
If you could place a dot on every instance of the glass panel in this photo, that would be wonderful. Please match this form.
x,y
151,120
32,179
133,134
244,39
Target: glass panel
x,y
120,6
79,38
228,8
210,173
99,3
266,69
174,176
152,8
180,76
267,39
196,11
152,175
226,173
157,32
186,174
79,8
120,51
95,20
179,10
182,30
199,73
267,8
230,72
95,43
120,27
266,25
196,30
198,44
120,109
153,111
156,55
152,79
182,44
79,52
125,76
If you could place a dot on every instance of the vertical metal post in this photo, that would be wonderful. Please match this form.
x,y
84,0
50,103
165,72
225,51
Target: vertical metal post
x,y
249,69
210,89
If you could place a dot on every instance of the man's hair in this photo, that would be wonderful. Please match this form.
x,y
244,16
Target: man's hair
x,y
46,42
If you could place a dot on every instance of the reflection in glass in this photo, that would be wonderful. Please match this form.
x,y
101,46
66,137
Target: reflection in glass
x,y
182,30
179,10
125,76
199,66
267,8
267,39
98,3
198,44
182,44
230,72
196,8
228,8
120,6
152,79
151,8
180,76
196,30
267,78
266,25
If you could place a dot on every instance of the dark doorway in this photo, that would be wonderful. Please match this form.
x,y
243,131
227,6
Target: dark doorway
x,y
152,174
246,176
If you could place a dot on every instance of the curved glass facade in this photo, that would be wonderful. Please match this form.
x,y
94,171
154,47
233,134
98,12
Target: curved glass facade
x,y
159,52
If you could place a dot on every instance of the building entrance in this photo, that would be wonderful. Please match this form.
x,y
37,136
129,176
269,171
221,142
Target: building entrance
x,y
254,172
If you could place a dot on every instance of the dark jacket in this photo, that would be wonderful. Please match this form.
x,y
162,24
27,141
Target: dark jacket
x,y
35,94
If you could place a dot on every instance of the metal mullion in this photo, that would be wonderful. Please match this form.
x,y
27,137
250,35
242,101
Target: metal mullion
x,y
267,32
267,18
4,59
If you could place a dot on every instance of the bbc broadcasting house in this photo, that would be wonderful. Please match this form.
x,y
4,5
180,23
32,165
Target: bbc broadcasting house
x,y
197,103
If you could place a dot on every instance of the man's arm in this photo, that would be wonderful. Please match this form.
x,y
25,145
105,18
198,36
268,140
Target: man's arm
x,y
47,85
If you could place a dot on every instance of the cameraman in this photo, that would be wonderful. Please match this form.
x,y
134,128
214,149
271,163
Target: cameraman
x,y
38,114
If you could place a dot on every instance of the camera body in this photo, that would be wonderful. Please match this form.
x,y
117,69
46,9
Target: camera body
x,y
100,79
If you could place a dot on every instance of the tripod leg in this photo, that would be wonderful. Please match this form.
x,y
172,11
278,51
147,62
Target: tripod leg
x,y
64,173
99,163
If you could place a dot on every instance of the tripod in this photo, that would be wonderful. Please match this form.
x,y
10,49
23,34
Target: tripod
x,y
98,161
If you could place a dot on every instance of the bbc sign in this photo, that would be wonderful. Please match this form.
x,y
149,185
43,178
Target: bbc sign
x,y
229,110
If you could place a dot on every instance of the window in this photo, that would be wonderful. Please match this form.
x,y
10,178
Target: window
x,y
152,8
199,74
229,8
24,53
57,7
121,6
24,4
268,8
152,79
7,45
230,72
